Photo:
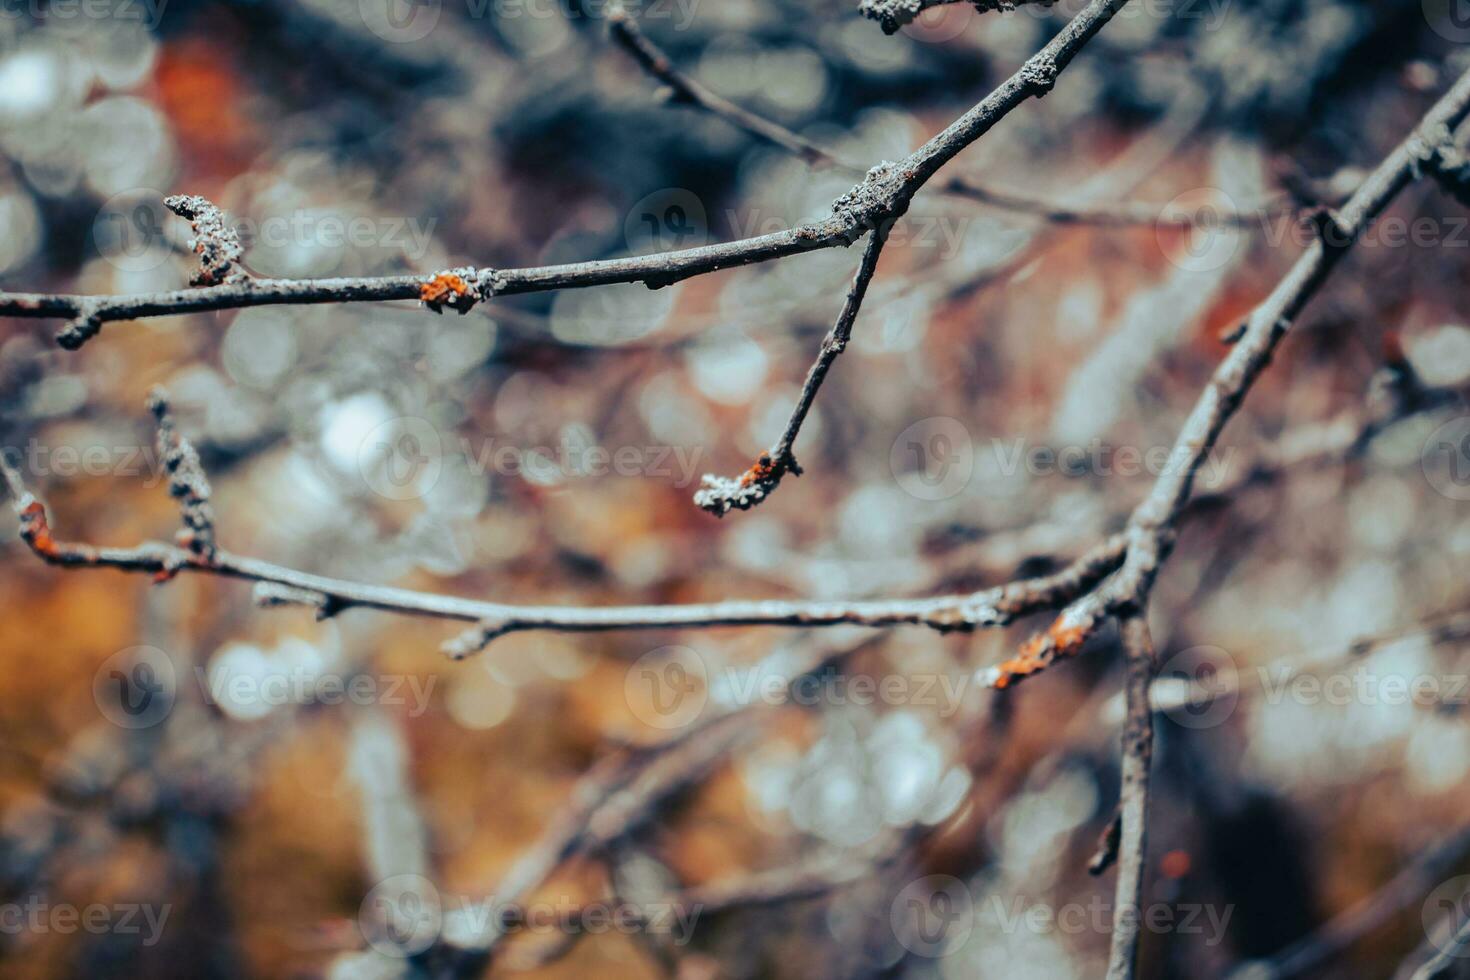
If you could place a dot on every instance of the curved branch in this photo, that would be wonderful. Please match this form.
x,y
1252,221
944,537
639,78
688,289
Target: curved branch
x,y
1153,525
990,607
683,89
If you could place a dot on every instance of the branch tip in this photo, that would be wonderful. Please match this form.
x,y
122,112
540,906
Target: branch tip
x,y
186,483
215,242
453,289
477,638
1064,638
721,494
79,331
270,595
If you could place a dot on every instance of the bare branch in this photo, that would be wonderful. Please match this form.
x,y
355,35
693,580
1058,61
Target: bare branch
x,y
1449,960
186,480
683,89
719,495
215,242
623,29
1138,749
990,607
1153,526
869,206
1439,629
997,606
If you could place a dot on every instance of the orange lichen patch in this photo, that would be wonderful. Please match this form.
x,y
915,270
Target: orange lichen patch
x,y
447,289
762,469
36,531
1061,639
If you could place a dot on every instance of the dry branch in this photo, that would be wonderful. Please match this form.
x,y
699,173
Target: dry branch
x,y
684,90
1138,748
719,495
1153,526
869,206
989,607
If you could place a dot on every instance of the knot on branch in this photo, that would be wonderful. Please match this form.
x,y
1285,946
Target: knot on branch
x,y
881,193
458,289
721,494
1040,74
186,480
1327,223
79,331
215,242
35,529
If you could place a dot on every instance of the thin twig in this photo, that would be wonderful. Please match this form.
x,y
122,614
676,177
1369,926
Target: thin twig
x,y
685,90
1138,748
1153,526
989,607
719,495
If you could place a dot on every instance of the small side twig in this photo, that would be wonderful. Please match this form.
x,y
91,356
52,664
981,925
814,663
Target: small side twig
x,y
685,90
1153,526
215,242
719,495
1107,844
186,480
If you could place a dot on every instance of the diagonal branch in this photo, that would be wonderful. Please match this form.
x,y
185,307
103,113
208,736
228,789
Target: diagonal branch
x,y
1138,750
719,495
685,90
1152,528
867,206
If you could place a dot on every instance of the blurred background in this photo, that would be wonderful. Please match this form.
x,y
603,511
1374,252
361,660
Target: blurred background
x,y
308,799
